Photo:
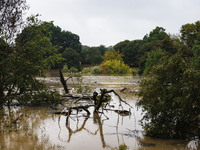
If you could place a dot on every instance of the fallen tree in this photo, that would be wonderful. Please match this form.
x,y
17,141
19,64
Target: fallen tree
x,y
99,101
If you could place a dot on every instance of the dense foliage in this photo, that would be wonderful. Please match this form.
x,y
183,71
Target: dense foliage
x,y
135,52
69,43
11,18
93,55
72,58
114,64
170,92
31,55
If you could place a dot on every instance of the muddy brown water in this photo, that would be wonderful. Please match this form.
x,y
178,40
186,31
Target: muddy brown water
x,y
38,128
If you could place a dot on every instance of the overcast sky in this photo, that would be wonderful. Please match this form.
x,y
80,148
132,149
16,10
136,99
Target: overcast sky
x,y
107,22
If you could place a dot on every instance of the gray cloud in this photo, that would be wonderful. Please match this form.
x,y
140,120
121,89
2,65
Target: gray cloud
x,y
108,22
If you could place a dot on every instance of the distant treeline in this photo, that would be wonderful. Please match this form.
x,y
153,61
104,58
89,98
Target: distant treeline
x,y
134,52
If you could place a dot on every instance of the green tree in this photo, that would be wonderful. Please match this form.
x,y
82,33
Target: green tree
x,y
112,55
11,18
171,99
152,60
156,39
131,54
94,56
63,38
156,34
28,58
121,45
72,58
102,49
196,50
114,64
84,53
190,33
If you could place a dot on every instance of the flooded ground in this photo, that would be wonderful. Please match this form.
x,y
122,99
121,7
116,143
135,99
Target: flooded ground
x,y
39,128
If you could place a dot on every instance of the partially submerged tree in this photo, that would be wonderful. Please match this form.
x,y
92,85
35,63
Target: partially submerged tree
x,y
31,55
11,19
170,97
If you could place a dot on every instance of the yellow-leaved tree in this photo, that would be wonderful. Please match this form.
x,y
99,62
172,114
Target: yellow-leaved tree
x,y
113,63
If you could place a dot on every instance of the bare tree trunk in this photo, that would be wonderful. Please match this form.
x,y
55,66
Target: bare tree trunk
x,y
62,80
98,105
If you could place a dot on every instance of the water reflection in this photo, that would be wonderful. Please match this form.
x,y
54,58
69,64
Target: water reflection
x,y
18,129
96,120
91,125
71,132
39,128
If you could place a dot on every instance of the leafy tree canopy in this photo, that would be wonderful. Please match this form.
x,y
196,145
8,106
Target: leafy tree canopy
x,y
170,98
121,45
28,58
112,55
72,58
170,91
63,38
156,34
113,63
115,66
11,18
190,33
93,55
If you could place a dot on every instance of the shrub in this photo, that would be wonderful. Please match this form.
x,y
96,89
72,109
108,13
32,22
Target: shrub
x,y
86,70
170,96
91,70
115,67
95,70
65,68
73,70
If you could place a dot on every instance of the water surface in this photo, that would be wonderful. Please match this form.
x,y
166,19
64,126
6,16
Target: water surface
x,y
39,128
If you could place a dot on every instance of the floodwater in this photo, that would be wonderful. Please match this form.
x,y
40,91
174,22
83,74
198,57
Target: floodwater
x,y
38,128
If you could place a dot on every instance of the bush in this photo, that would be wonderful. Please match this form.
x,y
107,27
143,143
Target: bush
x,y
115,67
65,68
170,96
86,70
95,70
73,70
91,70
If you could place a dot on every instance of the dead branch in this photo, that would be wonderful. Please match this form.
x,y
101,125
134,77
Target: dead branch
x,y
62,80
120,112
98,103
122,90
68,78
121,100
